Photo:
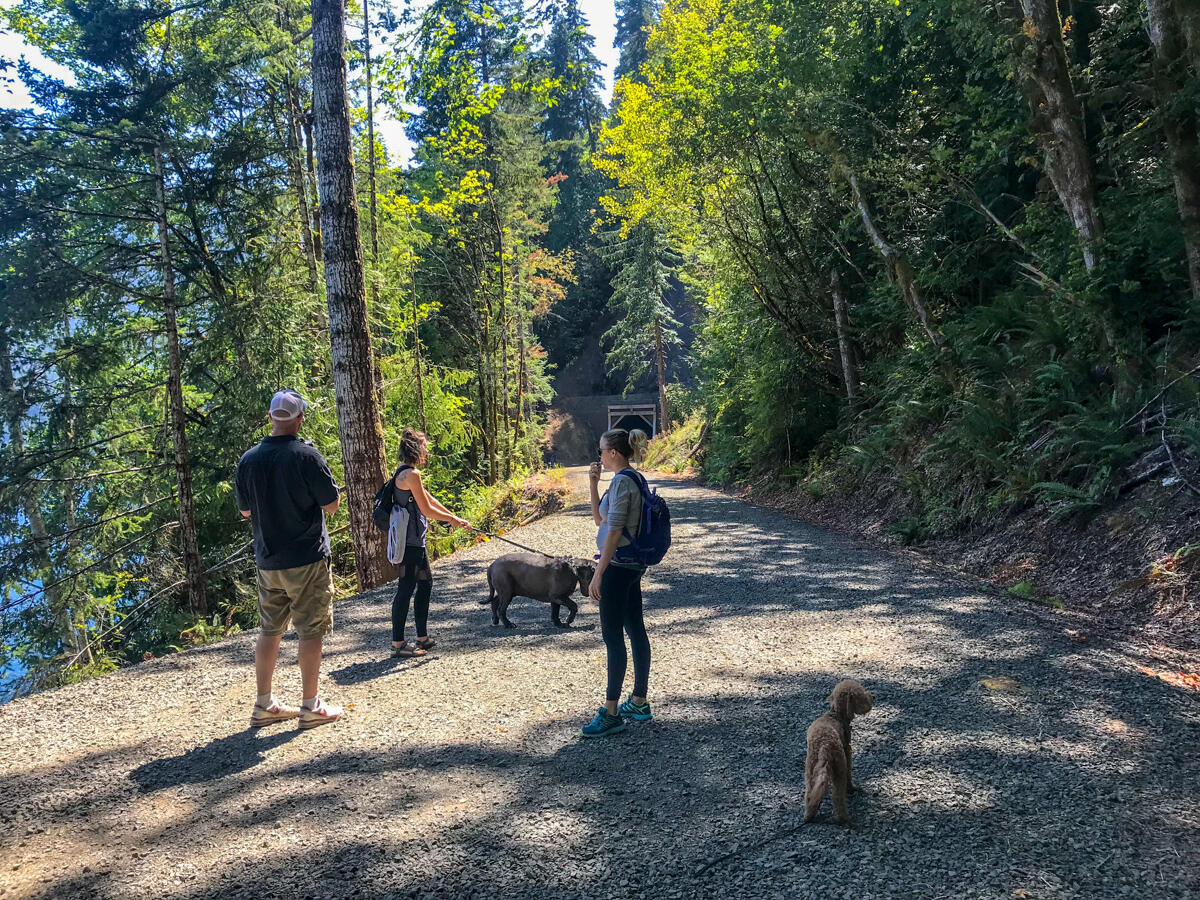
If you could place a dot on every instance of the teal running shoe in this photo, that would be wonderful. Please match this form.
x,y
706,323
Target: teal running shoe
x,y
639,711
602,725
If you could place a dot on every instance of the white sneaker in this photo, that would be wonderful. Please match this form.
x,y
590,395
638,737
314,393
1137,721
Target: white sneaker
x,y
321,714
276,712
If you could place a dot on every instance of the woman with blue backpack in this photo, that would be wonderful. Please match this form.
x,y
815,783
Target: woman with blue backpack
x,y
617,585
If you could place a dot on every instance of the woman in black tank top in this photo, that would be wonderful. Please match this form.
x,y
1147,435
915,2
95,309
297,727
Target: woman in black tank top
x,y
415,574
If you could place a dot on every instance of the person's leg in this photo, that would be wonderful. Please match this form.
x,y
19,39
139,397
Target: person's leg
x,y
405,586
312,607
421,607
274,610
309,654
266,652
614,588
639,641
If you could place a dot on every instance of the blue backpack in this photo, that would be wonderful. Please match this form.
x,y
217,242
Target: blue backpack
x,y
654,536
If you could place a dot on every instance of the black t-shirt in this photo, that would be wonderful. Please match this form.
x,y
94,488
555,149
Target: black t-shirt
x,y
284,482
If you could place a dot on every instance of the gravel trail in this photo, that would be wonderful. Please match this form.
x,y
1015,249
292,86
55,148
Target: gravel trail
x,y
461,775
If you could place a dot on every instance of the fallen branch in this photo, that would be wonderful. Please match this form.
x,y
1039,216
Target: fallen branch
x,y
1142,479
699,443
1155,398
1174,465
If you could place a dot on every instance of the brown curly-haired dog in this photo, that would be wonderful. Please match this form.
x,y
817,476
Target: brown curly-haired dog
x,y
827,766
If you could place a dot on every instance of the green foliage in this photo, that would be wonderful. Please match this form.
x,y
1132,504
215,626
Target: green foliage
x,y
789,144
910,530
1022,589
463,274
671,451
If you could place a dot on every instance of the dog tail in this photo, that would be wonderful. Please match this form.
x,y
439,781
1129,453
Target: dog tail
x,y
491,591
822,774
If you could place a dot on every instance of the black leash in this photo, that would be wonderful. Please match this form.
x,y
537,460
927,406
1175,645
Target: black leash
x,y
515,544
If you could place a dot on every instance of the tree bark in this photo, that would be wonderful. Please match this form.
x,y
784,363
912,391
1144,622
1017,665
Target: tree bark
x,y
661,360
193,567
522,369
363,458
1057,109
1189,20
299,188
78,634
1179,127
374,199
505,418
898,268
841,321
306,122
412,270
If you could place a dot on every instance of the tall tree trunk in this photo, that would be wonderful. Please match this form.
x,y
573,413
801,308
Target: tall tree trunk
x,y
661,360
487,390
306,122
412,271
225,298
841,321
193,567
522,370
78,633
505,409
299,188
363,457
1189,20
485,413
899,270
374,199
1179,127
1057,109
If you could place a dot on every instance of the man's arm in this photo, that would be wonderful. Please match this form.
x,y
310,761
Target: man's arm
x,y
324,489
239,493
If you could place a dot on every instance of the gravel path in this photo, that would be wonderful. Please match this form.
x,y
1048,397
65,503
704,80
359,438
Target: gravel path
x,y
461,775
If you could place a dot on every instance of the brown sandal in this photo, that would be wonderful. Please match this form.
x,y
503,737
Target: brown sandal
x,y
426,643
407,650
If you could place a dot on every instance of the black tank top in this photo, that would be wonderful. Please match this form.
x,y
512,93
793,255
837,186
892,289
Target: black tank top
x,y
418,526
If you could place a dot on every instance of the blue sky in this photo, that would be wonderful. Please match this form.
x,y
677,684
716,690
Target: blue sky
x,y
600,14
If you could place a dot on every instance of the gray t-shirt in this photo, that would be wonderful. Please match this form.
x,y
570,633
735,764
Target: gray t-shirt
x,y
620,507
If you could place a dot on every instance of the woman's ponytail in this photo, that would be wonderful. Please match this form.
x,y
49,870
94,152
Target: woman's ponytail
x,y
630,444
638,442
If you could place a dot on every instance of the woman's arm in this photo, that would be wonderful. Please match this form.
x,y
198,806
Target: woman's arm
x,y
594,490
410,480
606,555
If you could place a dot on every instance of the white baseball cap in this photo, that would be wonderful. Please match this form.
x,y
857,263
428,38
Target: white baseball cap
x,y
287,405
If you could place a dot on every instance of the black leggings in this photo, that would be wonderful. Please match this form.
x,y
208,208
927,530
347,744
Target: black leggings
x,y
414,575
620,614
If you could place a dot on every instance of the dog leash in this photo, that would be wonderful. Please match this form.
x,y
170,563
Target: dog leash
x,y
515,544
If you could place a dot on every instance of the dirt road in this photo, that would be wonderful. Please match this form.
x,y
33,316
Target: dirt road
x,y
462,775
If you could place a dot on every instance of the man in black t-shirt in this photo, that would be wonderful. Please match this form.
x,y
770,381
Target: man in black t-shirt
x,y
284,487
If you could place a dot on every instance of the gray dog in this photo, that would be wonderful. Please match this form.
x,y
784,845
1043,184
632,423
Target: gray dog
x,y
539,578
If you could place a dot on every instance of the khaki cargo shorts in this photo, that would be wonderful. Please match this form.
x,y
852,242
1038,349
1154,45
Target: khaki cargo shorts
x,y
303,594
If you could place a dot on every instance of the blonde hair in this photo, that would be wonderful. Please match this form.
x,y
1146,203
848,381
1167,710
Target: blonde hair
x,y
630,444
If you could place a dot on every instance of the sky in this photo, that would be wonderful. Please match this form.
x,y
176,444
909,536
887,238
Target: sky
x,y
601,16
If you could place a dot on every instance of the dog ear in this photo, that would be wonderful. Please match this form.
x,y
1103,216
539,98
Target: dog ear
x,y
584,574
842,705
